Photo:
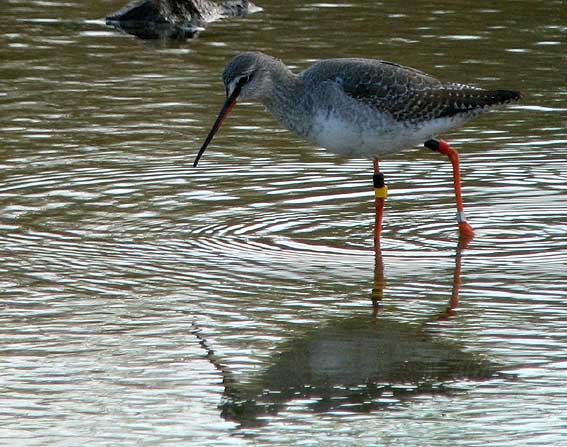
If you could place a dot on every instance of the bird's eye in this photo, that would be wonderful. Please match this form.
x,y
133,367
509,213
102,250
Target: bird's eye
x,y
245,79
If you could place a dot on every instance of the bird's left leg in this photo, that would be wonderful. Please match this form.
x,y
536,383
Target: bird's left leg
x,y
443,147
380,194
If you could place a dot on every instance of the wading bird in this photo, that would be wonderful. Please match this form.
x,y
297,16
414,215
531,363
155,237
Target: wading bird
x,y
360,108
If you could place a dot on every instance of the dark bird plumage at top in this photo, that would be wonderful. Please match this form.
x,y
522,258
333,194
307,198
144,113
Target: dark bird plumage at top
x,y
408,94
152,19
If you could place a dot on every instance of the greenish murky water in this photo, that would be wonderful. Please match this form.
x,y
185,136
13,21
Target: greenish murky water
x,y
145,302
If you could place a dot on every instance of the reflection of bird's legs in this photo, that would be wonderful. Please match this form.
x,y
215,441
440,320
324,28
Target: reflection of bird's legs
x,y
450,311
379,282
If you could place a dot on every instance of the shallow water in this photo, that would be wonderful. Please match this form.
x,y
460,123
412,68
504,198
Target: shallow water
x,y
145,302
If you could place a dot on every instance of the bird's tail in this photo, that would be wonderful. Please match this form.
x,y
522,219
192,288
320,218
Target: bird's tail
x,y
459,99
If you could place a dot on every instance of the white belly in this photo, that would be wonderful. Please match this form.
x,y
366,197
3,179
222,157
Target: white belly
x,y
373,136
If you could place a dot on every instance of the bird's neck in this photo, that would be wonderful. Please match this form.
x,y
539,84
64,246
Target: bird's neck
x,y
287,100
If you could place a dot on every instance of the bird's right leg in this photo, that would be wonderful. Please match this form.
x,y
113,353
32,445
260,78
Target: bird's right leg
x,y
380,194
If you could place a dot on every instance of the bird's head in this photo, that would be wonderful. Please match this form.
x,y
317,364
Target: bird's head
x,y
244,78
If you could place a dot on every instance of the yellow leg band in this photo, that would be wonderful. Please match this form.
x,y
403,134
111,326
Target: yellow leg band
x,y
381,193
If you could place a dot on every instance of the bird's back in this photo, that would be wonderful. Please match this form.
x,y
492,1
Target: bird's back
x,y
407,94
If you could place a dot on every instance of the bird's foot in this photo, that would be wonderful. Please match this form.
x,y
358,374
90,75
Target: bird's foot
x,y
466,233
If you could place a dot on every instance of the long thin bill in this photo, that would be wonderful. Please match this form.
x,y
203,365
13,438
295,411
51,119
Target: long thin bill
x,y
225,110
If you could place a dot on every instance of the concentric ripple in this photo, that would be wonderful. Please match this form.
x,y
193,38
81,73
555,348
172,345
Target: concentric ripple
x,y
138,293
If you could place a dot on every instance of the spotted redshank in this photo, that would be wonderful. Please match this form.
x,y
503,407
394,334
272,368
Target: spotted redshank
x,y
360,108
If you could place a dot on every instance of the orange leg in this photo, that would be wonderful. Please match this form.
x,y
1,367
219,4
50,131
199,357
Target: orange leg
x,y
443,147
380,193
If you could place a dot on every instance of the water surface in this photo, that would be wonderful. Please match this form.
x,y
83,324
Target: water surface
x,y
145,302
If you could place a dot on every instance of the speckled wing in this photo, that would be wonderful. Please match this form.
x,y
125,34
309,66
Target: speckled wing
x,y
408,95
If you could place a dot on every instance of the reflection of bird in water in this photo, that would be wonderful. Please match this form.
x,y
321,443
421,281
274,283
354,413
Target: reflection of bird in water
x,y
360,108
361,363
356,364
175,19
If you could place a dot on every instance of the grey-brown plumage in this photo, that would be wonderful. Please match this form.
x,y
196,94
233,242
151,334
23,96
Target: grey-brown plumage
x,y
405,93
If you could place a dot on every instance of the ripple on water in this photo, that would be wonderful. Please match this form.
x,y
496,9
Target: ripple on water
x,y
133,282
